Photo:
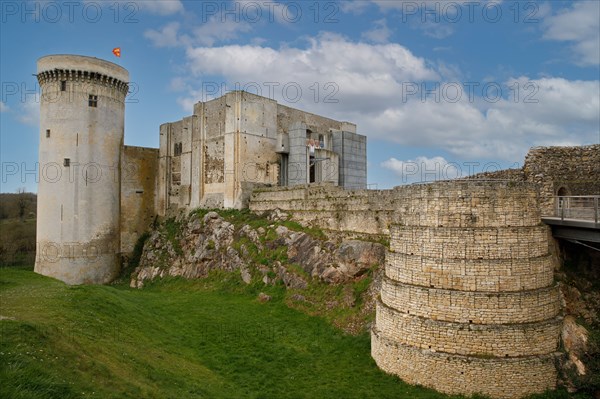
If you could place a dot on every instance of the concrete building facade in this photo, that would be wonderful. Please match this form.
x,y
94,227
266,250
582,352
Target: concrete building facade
x,y
216,157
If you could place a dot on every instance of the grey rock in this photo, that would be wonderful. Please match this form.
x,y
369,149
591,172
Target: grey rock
x,y
246,276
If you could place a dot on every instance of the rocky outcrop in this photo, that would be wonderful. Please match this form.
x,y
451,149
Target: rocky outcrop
x,y
579,367
192,246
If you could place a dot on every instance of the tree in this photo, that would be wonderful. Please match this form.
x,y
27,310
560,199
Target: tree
x,y
22,202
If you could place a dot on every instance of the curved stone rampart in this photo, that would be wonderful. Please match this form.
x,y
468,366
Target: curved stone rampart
x,y
471,274
468,302
483,340
502,378
472,307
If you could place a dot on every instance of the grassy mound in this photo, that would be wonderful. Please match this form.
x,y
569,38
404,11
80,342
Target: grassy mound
x,y
208,338
176,339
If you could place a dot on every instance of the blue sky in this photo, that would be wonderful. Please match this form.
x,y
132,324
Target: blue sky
x,y
441,88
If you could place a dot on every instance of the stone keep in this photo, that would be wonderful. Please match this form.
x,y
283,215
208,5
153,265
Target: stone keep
x,y
82,111
468,303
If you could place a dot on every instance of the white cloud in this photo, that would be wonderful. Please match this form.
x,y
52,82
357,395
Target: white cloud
x,y
438,18
258,41
579,25
437,30
216,30
379,34
566,113
355,7
161,7
361,71
165,37
3,107
29,112
423,169
434,5
371,80
177,84
209,33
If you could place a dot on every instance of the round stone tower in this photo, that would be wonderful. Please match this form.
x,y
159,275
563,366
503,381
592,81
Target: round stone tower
x,y
468,303
82,115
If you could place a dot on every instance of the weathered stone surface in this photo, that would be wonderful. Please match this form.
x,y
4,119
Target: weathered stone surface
x,y
356,257
205,244
574,338
468,299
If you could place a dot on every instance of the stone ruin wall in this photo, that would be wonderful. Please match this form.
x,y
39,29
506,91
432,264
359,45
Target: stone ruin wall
x,y
358,212
575,170
139,166
468,303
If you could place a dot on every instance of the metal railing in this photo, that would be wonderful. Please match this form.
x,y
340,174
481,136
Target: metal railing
x,y
579,207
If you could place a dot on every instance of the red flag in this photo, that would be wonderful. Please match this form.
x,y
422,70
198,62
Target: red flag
x,y
117,51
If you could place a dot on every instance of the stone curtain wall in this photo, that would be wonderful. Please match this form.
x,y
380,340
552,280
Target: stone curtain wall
x,y
332,208
468,304
138,192
575,169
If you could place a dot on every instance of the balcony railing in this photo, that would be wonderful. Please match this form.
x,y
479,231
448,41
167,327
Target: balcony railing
x,y
580,207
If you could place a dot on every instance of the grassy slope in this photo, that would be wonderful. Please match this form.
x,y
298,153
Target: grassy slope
x,y
183,339
175,339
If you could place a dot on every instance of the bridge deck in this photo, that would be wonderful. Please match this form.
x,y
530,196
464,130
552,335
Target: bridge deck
x,y
576,218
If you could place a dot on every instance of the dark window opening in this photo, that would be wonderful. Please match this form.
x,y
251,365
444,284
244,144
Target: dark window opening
x,y
63,85
67,162
283,170
47,133
178,150
93,101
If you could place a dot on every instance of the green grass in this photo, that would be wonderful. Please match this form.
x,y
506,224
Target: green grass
x,y
242,217
175,339
206,338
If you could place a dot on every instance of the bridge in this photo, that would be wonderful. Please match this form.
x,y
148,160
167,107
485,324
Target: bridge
x,y
576,218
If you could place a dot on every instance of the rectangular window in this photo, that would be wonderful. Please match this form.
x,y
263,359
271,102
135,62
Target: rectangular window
x,y
178,149
67,162
93,101
63,85
47,133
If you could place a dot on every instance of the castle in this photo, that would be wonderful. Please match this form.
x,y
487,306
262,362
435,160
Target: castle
x,y
97,195
468,302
